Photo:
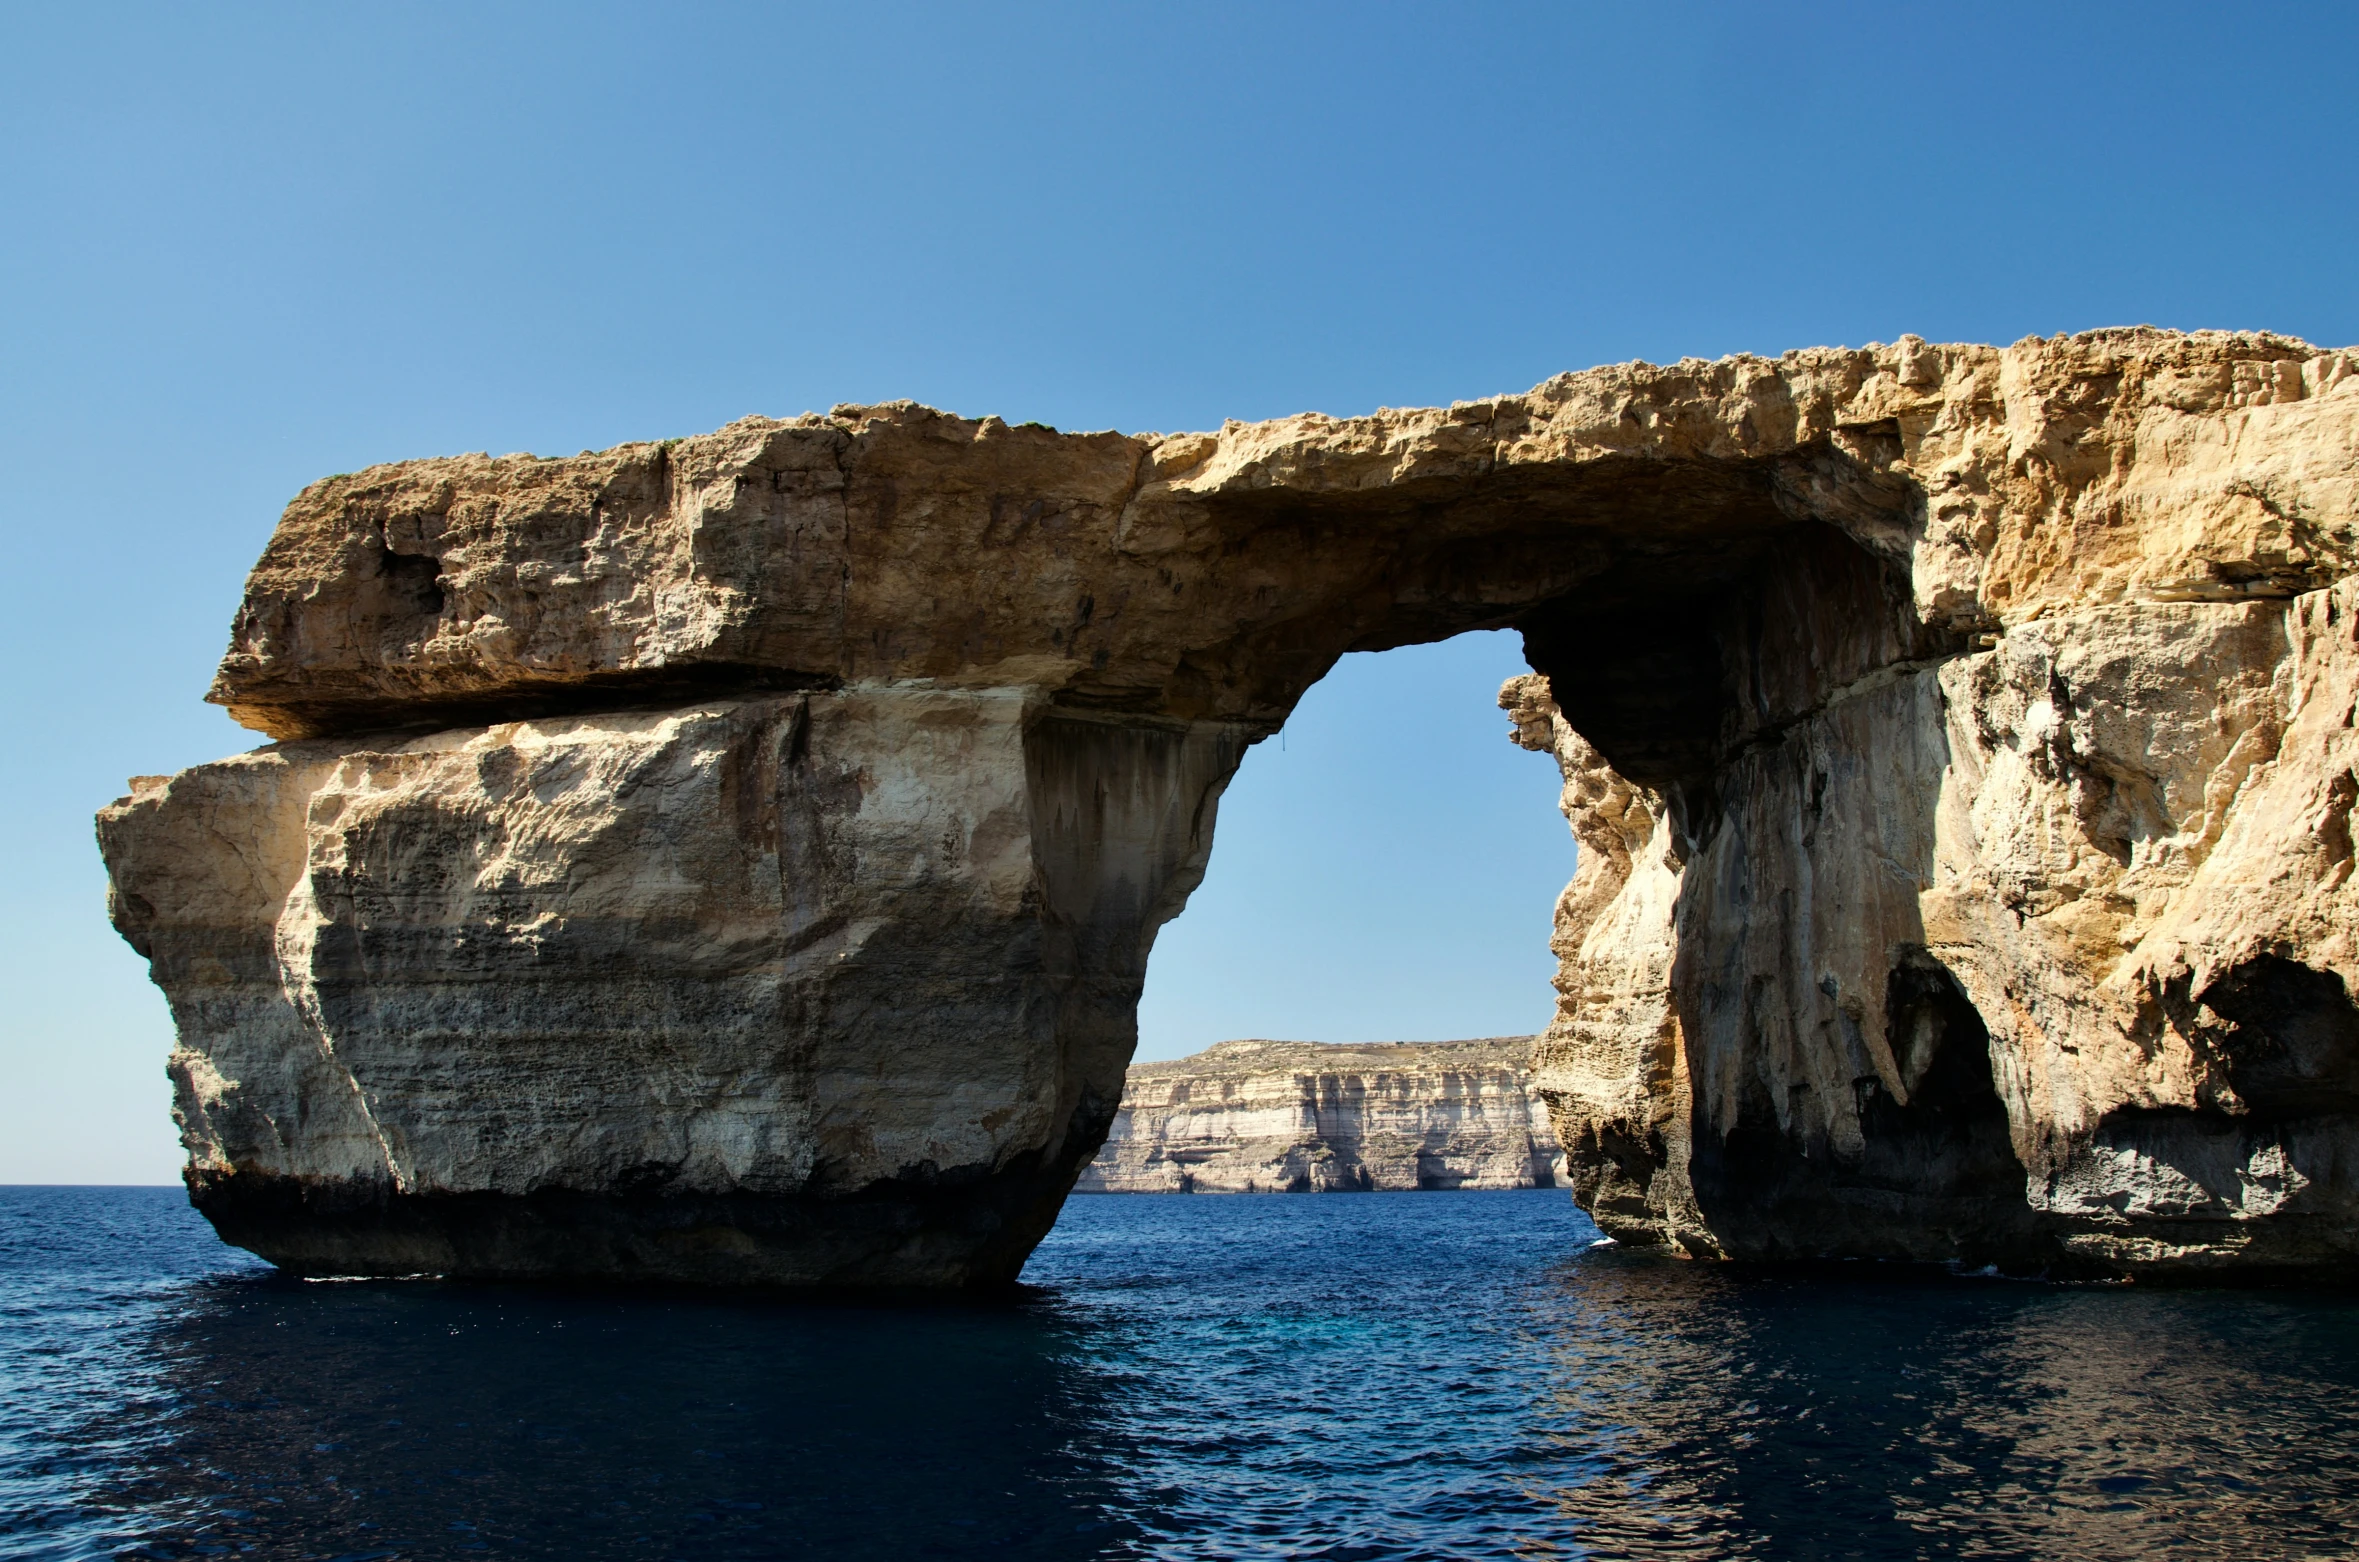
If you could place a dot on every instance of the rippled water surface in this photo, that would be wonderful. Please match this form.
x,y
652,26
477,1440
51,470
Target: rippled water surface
x,y
1336,1376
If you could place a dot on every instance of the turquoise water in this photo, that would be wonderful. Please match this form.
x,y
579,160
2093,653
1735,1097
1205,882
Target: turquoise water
x,y
1341,1376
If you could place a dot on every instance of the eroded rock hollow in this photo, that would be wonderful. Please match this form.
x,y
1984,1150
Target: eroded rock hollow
x,y
736,858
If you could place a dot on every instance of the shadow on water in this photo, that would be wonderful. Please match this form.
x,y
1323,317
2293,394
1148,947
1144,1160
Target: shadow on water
x,y
1727,1413
1341,1378
246,1412
437,1419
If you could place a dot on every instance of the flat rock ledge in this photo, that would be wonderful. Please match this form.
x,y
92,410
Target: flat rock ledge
x,y
736,858
1332,1117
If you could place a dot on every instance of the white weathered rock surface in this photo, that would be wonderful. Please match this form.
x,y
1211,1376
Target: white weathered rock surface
x,y
1313,1117
808,989
1963,759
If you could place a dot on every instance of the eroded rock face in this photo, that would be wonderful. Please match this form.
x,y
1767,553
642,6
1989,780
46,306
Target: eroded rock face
x,y
737,857
2036,955
1312,1117
807,989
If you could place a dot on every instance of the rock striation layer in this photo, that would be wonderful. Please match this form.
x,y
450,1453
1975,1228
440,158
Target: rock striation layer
x,y
1313,1117
736,858
748,990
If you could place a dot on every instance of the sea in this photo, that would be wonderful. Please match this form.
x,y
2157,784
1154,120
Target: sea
x,y
1331,1376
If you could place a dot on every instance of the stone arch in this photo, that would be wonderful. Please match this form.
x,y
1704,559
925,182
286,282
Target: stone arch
x,y
774,823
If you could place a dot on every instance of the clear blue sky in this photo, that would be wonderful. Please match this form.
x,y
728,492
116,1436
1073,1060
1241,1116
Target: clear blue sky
x,y
248,245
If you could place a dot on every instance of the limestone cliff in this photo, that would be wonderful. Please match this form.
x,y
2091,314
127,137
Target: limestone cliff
x,y
684,986
1308,1117
737,857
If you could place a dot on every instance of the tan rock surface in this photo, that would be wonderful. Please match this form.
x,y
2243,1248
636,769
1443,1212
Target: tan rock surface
x,y
1313,1117
817,988
1957,736
2056,964
1217,575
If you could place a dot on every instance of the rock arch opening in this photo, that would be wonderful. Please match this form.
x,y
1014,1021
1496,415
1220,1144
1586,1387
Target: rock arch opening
x,y
1383,870
1349,1001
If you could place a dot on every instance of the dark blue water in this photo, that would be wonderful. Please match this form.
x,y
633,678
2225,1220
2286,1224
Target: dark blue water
x,y
1375,1376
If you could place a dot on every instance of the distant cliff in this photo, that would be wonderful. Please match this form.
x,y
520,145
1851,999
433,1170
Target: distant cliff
x,y
1309,1117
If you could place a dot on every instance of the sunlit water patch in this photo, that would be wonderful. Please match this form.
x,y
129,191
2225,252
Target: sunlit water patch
x,y
1340,1376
